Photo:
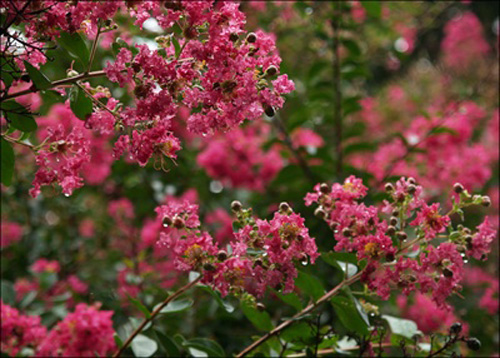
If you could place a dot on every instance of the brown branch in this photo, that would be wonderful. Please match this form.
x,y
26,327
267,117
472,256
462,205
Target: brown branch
x,y
305,311
154,314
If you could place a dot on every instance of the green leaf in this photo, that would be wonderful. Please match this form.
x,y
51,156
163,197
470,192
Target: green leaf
x,y
177,47
10,71
373,8
7,292
75,45
291,299
360,147
212,348
331,257
138,304
168,344
176,306
40,81
298,331
440,130
352,46
143,346
79,103
7,158
260,320
18,116
346,310
310,285
402,327
118,340
222,303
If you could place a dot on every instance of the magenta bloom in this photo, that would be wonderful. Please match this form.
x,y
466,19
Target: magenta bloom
x,y
431,221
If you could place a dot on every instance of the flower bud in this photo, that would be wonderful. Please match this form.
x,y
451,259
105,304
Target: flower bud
x,y
136,67
233,37
269,111
222,255
393,221
179,223
320,213
412,180
271,70
347,232
236,206
209,267
260,306
324,188
395,213
456,328
411,189
284,207
473,344
257,262
389,187
251,37
458,188
167,221
447,273
486,201
390,257
401,235
391,230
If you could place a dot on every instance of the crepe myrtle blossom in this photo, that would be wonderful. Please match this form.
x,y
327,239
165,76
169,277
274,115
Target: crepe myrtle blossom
x,y
262,254
382,236
83,333
19,331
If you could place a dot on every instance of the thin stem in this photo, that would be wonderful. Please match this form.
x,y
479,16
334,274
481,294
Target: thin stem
x,y
94,48
305,311
337,112
64,81
95,100
17,141
154,314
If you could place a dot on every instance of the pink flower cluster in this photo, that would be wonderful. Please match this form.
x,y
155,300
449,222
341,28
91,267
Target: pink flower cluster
x,y
221,76
19,331
398,252
69,152
427,315
482,281
443,149
83,333
463,42
48,290
238,159
263,253
10,233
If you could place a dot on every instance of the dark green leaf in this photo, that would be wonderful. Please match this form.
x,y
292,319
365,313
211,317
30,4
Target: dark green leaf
x,y
332,257
372,7
79,103
260,320
75,45
346,310
168,344
7,292
310,285
440,130
291,299
352,46
40,81
360,147
138,304
177,47
298,331
177,306
118,340
18,116
7,156
212,348
143,346
222,303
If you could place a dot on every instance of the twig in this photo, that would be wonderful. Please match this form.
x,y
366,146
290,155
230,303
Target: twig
x,y
94,48
305,311
64,81
154,314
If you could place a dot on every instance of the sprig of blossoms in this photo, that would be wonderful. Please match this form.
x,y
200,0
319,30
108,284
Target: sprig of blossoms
x,y
398,250
263,252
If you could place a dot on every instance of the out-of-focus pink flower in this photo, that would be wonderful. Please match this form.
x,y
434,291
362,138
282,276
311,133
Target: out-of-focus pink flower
x,y
10,233
44,265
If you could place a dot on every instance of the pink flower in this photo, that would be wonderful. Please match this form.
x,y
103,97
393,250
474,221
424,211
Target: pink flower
x,y
431,221
43,265
19,331
303,137
82,333
10,233
481,241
